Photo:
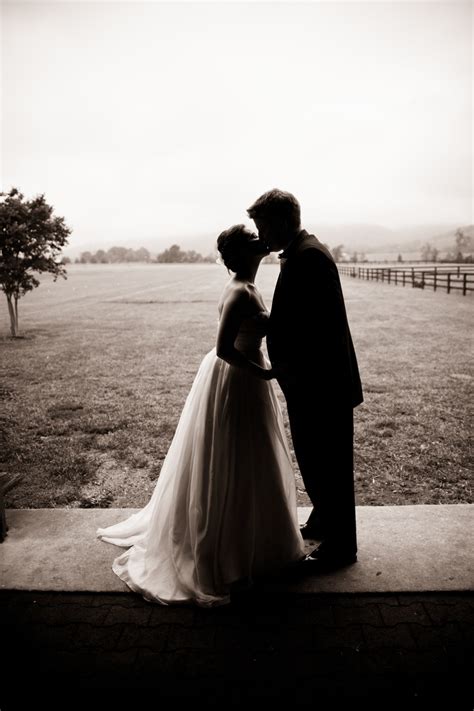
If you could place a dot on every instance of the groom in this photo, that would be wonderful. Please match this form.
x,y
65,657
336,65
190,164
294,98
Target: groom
x,y
311,349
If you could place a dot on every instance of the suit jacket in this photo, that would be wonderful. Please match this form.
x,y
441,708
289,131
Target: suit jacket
x,y
308,327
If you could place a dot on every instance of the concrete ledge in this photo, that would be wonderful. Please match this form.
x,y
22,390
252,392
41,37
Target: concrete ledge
x,y
401,549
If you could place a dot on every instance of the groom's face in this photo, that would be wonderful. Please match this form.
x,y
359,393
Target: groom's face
x,y
257,245
272,232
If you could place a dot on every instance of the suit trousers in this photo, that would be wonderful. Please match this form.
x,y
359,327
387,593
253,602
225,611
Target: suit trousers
x,y
322,431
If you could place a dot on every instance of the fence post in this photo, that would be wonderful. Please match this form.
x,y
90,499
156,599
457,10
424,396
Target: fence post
x,y
435,275
403,275
395,277
389,271
459,271
464,284
422,279
413,277
449,282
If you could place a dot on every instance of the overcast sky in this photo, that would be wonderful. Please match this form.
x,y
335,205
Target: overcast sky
x,y
164,120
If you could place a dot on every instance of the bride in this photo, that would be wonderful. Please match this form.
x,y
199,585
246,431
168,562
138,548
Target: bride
x,y
224,507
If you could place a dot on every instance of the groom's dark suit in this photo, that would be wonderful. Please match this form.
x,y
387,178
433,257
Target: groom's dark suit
x,y
309,333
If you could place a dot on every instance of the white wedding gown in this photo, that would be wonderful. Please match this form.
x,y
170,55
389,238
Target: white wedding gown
x,y
224,506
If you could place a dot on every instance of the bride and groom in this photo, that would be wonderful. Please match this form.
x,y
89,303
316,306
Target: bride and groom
x,y
223,511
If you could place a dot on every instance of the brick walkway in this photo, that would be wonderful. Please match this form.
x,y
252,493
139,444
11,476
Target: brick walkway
x,y
294,648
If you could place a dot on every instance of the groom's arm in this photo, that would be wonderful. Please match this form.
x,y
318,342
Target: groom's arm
x,y
319,307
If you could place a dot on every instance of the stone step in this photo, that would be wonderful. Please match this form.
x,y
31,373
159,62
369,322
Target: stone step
x,y
401,549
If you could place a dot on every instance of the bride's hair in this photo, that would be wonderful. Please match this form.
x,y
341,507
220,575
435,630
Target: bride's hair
x,y
231,244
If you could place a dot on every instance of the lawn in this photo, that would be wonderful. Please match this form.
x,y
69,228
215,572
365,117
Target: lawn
x,y
92,393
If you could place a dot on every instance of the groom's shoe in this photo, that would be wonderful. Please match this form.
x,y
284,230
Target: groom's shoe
x,y
322,560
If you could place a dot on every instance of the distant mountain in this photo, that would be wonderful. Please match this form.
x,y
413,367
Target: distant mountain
x,y
376,238
356,236
444,241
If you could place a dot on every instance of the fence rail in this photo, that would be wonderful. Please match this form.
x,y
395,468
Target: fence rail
x,y
449,277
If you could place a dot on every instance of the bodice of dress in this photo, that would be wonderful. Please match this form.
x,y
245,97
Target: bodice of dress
x,y
252,330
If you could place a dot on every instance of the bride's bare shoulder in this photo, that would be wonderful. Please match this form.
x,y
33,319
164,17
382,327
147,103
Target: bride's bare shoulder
x,y
235,295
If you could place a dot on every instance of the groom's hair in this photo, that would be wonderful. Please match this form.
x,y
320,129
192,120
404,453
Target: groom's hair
x,y
277,204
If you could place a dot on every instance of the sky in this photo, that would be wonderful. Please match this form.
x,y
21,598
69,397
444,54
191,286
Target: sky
x,y
164,121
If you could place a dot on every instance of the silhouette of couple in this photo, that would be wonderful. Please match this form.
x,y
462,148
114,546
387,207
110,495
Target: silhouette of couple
x,y
223,512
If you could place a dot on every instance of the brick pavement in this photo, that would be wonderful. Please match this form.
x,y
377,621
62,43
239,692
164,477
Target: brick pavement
x,y
293,648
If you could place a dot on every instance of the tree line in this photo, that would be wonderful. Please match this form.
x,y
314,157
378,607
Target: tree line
x,y
32,238
125,255
114,255
171,255
175,255
461,250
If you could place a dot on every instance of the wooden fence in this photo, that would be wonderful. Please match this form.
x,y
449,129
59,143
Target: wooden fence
x,y
448,277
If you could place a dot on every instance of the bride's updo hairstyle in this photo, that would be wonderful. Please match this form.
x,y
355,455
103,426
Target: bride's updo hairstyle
x,y
232,245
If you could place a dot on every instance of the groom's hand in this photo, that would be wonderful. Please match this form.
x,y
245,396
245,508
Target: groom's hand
x,y
280,371
270,373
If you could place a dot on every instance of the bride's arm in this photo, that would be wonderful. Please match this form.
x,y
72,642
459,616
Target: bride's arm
x,y
233,312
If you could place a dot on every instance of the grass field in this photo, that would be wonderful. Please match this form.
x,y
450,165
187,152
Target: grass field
x,y
92,394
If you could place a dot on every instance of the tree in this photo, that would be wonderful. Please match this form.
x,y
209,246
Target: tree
x,y
211,257
399,258
86,257
142,255
463,243
31,239
101,256
271,258
429,253
337,252
117,254
172,254
426,252
130,255
192,256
